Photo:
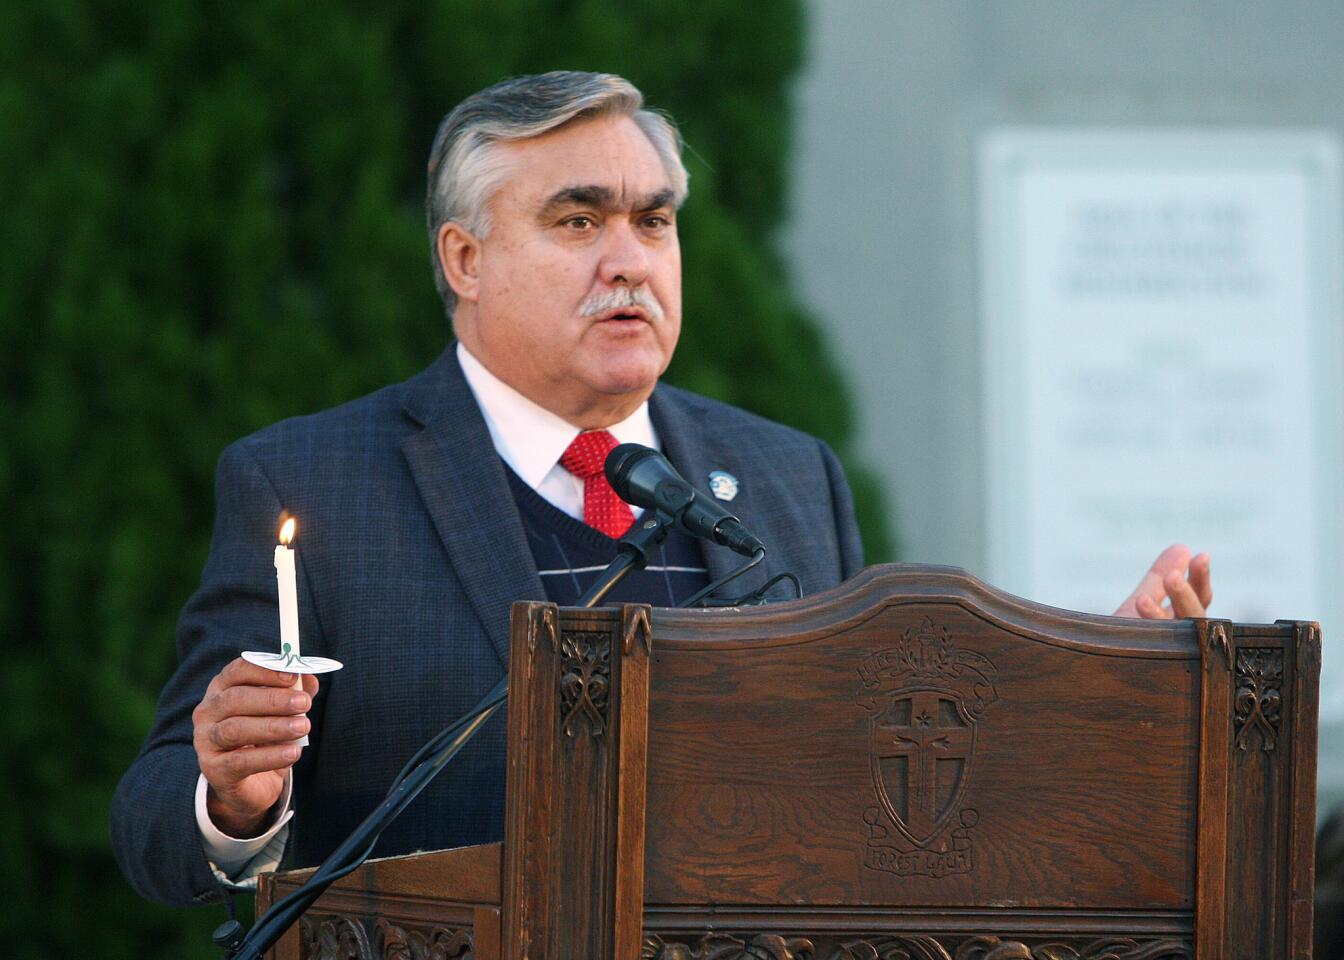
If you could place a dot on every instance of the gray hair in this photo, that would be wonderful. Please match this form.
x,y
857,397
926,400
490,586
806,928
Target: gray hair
x,y
465,170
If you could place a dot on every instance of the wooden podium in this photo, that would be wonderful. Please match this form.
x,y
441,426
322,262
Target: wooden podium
x,y
912,766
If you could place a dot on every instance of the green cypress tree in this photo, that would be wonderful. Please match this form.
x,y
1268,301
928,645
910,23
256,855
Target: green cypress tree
x,y
213,220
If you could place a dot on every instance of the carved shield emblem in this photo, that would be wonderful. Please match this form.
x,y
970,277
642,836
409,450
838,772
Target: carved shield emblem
x,y
923,698
921,755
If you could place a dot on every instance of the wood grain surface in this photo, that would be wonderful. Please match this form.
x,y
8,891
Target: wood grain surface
x,y
913,765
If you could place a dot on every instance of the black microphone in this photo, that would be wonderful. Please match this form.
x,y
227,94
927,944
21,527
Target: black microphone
x,y
643,476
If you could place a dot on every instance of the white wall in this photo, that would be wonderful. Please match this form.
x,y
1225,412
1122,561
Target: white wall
x,y
882,235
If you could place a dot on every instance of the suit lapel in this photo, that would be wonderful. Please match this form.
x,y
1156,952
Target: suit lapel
x,y
696,449
462,483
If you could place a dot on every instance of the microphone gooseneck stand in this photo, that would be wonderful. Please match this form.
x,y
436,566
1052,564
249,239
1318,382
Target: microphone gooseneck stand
x,y
633,553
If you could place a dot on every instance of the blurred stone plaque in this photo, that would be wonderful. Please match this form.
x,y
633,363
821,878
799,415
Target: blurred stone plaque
x,y
1162,363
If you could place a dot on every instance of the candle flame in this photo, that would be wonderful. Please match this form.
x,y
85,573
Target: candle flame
x,y
287,531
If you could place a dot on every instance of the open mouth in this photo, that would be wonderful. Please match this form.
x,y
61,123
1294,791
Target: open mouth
x,y
625,307
624,315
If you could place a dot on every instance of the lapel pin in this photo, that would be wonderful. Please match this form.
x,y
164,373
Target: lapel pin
x,y
723,485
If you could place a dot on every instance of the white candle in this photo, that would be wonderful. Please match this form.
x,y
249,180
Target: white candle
x,y
289,594
289,605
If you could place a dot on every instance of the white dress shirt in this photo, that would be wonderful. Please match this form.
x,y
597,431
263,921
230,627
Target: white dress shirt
x,y
531,440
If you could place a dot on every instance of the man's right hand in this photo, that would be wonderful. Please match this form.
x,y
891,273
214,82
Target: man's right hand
x,y
245,728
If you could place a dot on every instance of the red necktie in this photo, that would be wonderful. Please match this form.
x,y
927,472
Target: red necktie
x,y
602,509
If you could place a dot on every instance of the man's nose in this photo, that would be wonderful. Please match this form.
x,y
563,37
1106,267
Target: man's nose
x,y
625,261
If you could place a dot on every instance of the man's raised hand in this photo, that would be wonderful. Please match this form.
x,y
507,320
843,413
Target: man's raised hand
x,y
1175,577
244,733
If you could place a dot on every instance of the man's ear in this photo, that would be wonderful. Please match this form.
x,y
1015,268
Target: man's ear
x,y
459,256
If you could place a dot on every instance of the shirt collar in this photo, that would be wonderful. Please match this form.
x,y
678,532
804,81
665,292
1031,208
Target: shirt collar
x,y
528,437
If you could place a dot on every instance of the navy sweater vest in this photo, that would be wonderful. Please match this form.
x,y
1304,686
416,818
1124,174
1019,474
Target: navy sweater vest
x,y
569,555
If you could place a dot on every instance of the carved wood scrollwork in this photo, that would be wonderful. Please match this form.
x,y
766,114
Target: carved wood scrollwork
x,y
333,938
713,946
1259,696
722,947
434,943
585,680
1108,948
347,938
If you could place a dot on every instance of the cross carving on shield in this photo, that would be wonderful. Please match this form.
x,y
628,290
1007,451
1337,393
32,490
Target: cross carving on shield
x,y
921,749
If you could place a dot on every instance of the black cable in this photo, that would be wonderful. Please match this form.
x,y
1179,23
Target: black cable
x,y
280,915
293,897
757,596
756,558
331,870
786,575
443,736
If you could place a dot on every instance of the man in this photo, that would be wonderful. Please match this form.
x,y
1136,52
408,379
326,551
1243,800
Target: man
x,y
427,508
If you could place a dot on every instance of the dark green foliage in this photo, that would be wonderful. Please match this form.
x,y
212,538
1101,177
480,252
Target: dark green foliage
x,y
212,219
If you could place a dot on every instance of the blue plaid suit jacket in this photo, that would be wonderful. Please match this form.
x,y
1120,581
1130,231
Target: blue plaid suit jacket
x,y
411,551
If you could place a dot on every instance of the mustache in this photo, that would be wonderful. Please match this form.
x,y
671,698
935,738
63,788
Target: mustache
x,y
621,297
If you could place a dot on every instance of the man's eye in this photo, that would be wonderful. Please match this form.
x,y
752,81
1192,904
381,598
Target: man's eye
x,y
656,221
581,223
